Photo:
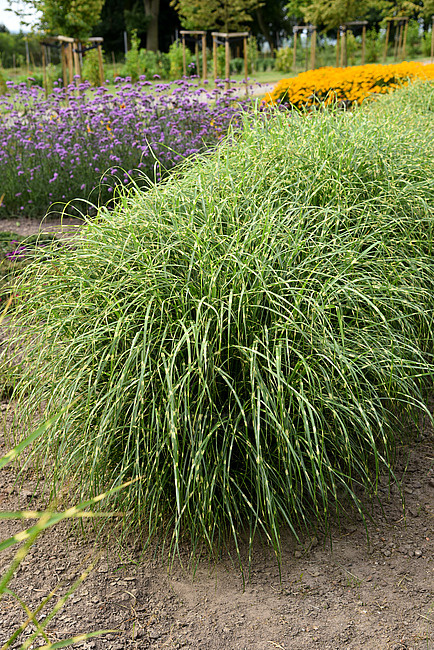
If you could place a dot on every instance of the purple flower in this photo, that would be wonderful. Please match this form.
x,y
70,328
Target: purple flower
x,y
62,142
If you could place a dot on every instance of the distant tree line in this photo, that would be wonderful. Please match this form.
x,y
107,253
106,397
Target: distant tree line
x,y
157,21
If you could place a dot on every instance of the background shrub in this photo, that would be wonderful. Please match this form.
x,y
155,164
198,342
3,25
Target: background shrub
x,y
284,59
3,87
90,70
373,46
237,65
175,56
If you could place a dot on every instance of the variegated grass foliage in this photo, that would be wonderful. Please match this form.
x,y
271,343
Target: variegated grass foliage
x,y
249,335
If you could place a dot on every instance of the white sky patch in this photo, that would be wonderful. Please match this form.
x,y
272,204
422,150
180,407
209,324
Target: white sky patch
x,y
12,21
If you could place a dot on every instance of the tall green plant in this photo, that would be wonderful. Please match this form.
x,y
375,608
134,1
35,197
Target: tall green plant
x,y
249,335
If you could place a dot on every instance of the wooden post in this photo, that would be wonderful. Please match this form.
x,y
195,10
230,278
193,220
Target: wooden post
x,y
64,65
363,44
214,55
184,62
396,39
196,52
400,39
343,46
114,65
338,38
227,62
294,55
70,63
387,41
312,48
27,56
404,44
100,65
246,65
204,61
44,71
76,47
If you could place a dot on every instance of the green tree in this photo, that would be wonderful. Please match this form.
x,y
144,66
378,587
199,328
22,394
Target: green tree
x,y
296,9
332,13
228,15
74,18
428,9
271,19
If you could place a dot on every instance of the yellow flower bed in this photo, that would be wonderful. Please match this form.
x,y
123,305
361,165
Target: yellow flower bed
x,y
350,85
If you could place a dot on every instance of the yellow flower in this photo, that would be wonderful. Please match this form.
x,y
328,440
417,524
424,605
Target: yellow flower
x,y
353,84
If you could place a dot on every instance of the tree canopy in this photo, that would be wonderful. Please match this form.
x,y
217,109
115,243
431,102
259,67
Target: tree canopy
x,y
73,18
228,15
329,14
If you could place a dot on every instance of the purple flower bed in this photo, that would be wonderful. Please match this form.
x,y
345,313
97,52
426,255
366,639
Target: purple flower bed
x,y
57,149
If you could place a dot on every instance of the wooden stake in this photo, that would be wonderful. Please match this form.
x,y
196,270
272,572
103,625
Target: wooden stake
x,y
343,46
227,63
312,49
363,44
387,41
401,37
338,39
184,62
196,52
100,65
246,65
114,65
76,62
70,62
204,61
27,56
64,65
404,44
396,39
294,55
44,71
214,56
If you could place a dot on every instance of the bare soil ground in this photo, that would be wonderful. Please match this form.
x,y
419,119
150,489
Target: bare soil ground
x,y
333,593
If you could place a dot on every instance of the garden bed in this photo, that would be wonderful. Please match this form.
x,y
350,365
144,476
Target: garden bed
x,y
253,343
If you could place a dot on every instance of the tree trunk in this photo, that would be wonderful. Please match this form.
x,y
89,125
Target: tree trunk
x,y
264,29
152,9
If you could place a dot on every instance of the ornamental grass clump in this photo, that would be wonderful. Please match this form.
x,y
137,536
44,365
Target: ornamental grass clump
x,y
248,336
326,86
83,143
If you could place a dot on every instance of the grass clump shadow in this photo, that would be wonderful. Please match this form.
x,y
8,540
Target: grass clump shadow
x,y
247,335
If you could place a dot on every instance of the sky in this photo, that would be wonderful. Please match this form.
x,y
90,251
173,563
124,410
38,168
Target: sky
x,y
9,19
